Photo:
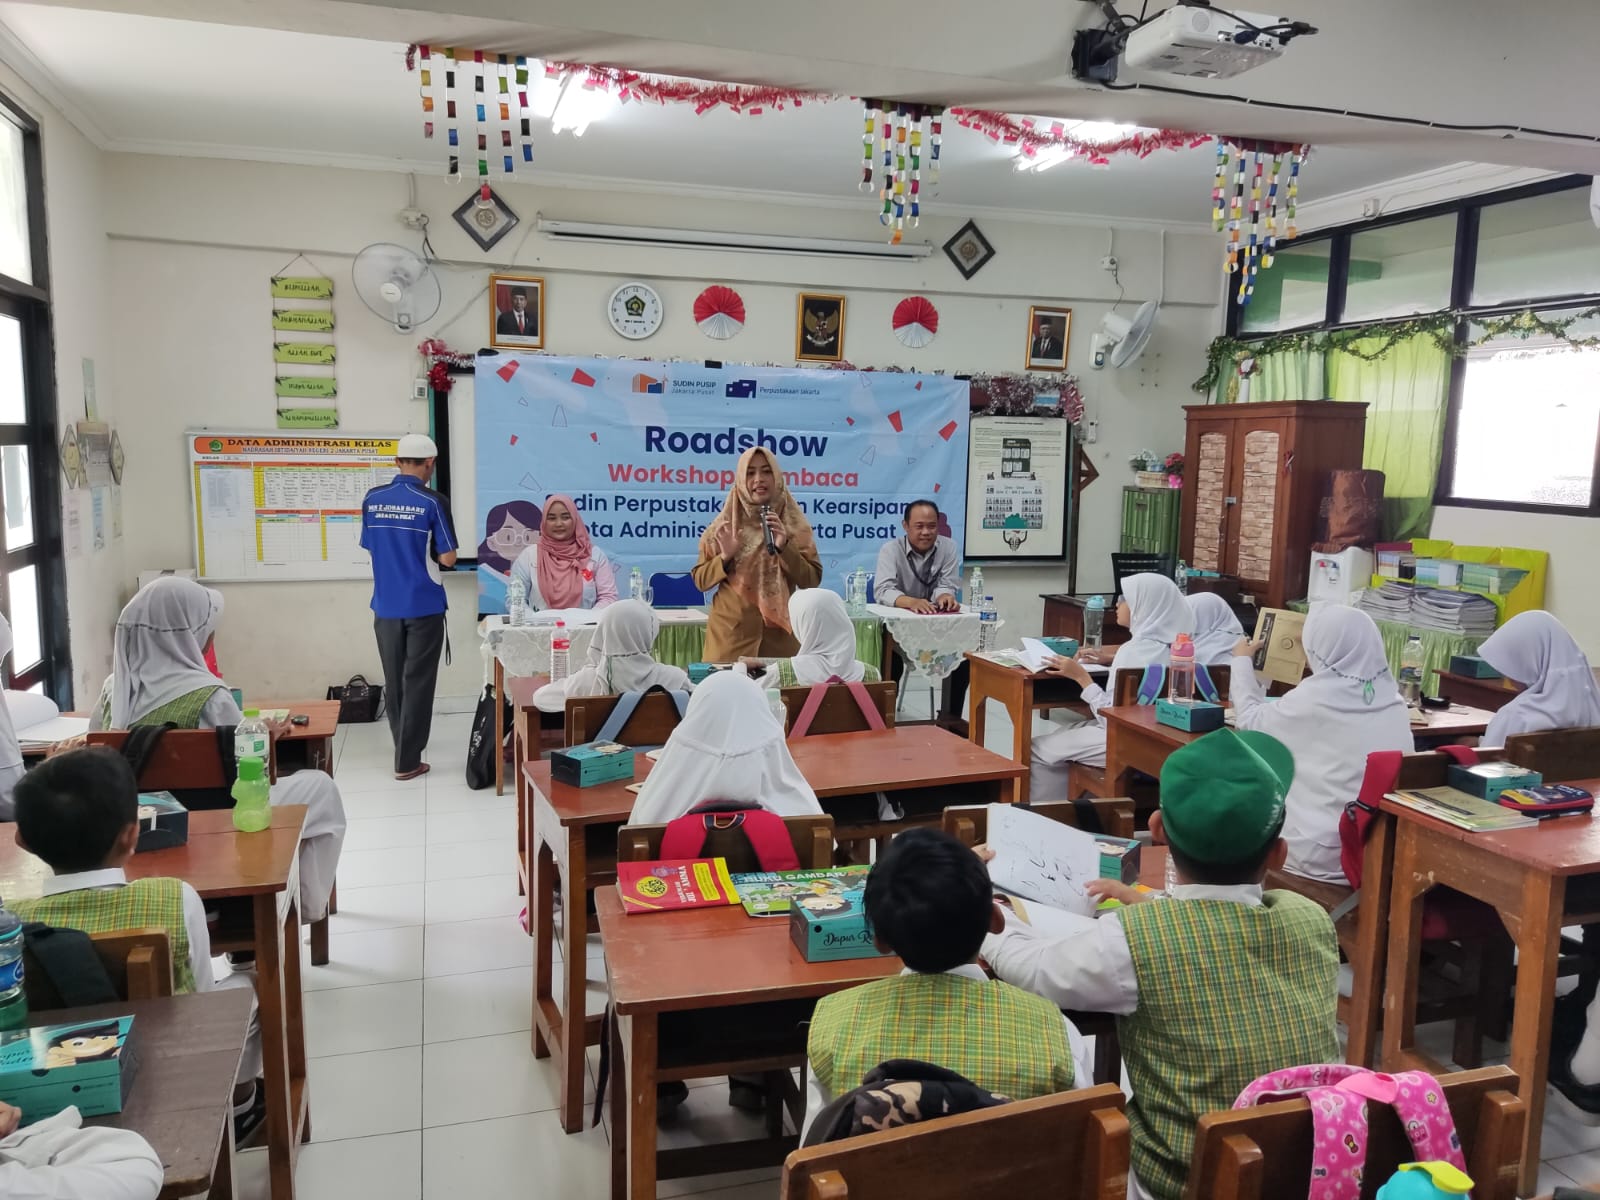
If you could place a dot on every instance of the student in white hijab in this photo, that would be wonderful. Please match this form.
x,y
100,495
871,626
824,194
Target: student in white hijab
x,y
827,644
159,675
1349,707
1216,629
10,751
1154,612
621,659
729,746
1535,650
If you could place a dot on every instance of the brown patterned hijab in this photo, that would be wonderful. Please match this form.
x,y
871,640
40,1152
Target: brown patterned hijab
x,y
758,576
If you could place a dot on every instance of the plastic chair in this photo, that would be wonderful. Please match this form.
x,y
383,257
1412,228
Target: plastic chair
x,y
675,590
1123,565
872,588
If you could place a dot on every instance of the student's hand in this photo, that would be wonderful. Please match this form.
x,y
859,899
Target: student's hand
x,y
277,729
985,855
727,542
752,664
1068,668
1114,889
10,1118
76,742
947,603
1091,654
912,604
1245,648
779,537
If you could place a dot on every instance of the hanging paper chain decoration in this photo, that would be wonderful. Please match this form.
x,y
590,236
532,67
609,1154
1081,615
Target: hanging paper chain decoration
x,y
500,124
915,321
893,135
1029,135
1246,160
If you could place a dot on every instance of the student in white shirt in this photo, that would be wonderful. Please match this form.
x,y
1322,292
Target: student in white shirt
x,y
827,645
621,659
59,1158
1559,691
1216,629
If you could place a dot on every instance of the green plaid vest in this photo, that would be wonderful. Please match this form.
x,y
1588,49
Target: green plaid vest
x,y
142,904
184,712
1000,1037
786,677
1227,992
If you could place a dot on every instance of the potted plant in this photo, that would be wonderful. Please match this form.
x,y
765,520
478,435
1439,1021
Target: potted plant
x,y
1147,465
1174,469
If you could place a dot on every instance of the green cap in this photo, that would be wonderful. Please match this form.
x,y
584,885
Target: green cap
x,y
252,769
1222,795
252,712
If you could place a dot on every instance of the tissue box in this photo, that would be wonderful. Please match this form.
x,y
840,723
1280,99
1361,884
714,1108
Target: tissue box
x,y
831,927
1119,858
163,822
51,1067
1199,717
699,671
1488,780
591,763
1472,667
1064,646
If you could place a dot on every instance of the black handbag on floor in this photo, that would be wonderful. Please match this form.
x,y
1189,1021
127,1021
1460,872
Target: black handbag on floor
x,y
360,702
481,749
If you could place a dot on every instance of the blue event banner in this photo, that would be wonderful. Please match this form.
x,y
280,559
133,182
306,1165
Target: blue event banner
x,y
648,450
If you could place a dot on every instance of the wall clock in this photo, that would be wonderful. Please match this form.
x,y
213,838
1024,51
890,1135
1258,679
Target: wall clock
x,y
635,310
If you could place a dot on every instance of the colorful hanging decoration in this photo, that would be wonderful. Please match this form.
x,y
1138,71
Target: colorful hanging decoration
x,y
915,321
498,99
1245,163
719,312
893,138
1031,135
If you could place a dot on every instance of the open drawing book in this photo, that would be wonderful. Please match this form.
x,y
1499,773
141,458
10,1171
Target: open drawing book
x,y
1042,860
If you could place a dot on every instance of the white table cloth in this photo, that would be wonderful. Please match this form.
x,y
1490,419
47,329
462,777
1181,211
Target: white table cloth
x,y
932,643
525,649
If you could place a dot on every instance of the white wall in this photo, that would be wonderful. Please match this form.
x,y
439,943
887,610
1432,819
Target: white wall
x,y
194,241
74,180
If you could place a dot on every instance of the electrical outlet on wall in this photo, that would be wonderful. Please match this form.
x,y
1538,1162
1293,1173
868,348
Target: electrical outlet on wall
x,y
1091,432
419,389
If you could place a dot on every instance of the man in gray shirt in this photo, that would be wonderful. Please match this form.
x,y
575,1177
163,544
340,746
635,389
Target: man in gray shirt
x,y
921,572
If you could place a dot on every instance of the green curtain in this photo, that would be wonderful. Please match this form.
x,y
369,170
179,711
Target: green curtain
x,y
1298,374
1405,393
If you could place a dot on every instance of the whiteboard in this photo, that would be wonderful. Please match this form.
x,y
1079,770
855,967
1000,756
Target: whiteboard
x,y
284,506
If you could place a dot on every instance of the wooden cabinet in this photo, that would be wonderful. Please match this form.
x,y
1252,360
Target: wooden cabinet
x,y
1150,520
1254,478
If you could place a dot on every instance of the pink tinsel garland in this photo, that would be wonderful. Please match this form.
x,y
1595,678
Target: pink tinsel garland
x,y
1033,135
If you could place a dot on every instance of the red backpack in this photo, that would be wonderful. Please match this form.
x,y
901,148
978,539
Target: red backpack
x,y
748,836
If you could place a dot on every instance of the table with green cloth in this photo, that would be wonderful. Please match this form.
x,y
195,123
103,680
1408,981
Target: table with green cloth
x,y
1437,647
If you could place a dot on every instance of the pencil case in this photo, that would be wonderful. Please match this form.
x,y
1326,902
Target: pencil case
x,y
1552,800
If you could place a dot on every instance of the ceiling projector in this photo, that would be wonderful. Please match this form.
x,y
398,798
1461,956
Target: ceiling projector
x,y
1204,43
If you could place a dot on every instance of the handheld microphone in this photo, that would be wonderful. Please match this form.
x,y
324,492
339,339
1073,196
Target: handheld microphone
x,y
766,530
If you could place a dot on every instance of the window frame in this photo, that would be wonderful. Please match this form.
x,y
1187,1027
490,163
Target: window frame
x,y
1468,211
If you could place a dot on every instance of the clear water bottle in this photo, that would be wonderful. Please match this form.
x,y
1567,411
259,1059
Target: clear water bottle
x,y
13,1001
252,807
988,623
1411,671
1169,879
1181,577
1094,622
1180,671
635,584
560,652
856,593
251,738
516,601
975,592
775,703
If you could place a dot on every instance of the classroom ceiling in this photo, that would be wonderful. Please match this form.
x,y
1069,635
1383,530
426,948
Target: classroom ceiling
x,y
322,81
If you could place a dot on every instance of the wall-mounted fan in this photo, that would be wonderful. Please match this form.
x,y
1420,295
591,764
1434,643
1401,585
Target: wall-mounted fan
x,y
397,284
1120,340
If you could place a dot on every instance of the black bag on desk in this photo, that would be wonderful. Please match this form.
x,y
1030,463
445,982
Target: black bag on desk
x,y
360,702
481,749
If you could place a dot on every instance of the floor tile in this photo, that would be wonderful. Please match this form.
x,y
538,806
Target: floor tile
x,y
733,1185
362,909
385,833
375,778
466,860
472,826
359,959
357,1019
358,1095
1552,1177
479,1079
477,1005
371,806
250,1175
377,868
460,798
472,899
466,947
389,1166
1565,1133
515,1157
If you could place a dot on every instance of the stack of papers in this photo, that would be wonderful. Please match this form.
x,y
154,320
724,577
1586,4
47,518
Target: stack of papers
x,y
1391,602
57,729
1453,612
1464,811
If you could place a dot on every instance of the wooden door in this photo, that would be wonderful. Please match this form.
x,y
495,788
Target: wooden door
x,y
1206,528
1256,479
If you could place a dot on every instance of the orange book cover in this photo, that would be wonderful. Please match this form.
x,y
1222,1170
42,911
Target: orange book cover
x,y
686,883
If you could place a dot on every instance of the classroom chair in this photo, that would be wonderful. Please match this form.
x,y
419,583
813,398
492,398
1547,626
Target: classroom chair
x,y
1123,565
1264,1153
839,712
675,589
1560,755
811,835
651,724
1068,1146
189,760
139,962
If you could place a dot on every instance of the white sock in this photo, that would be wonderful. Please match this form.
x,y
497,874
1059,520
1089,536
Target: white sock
x,y
243,1106
1586,1059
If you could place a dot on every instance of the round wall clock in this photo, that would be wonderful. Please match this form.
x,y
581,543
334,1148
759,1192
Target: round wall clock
x,y
635,310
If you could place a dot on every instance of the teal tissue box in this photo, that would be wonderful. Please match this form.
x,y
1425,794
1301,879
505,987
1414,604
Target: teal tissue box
x,y
699,671
832,927
1472,667
1065,647
1119,858
90,1064
1488,780
1199,717
163,822
591,763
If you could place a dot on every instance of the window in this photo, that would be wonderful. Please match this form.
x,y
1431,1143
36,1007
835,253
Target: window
x,y
1292,293
1400,270
1540,246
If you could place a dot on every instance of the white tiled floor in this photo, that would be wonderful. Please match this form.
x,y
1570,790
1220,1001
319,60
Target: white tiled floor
x,y
423,1081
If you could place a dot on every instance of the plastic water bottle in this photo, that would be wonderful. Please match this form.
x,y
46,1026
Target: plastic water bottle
x,y
635,584
1181,577
1180,671
252,810
1094,622
975,592
988,623
1411,671
13,1001
560,651
775,703
251,738
516,601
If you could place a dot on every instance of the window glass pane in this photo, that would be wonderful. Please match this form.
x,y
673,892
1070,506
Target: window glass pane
x,y
13,401
1526,430
16,260
1290,293
1540,246
26,644
1401,269
18,497
38,688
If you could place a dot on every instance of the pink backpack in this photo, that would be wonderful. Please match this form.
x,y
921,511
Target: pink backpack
x,y
1338,1094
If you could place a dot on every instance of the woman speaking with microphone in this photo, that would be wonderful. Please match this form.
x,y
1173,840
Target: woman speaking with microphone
x,y
759,549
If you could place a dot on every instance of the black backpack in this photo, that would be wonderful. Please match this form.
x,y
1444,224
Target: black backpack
x,y
899,1091
141,743
67,960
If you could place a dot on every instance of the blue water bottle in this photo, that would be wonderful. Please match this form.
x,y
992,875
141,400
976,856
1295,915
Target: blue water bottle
x,y
13,1001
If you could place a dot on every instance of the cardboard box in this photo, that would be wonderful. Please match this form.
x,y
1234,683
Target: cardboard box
x,y
1119,858
591,763
163,822
833,927
1196,717
1488,780
1472,667
90,1064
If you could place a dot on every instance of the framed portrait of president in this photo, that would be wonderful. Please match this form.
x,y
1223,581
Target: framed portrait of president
x,y
516,312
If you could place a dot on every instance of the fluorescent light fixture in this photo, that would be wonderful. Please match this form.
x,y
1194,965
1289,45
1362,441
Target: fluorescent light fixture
x,y
748,243
578,106
546,94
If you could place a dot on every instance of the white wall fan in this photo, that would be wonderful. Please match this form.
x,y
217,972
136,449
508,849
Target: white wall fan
x,y
397,284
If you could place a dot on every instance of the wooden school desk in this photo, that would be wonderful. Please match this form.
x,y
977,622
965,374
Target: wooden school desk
x,y
574,831
308,746
254,879
1063,617
1020,692
1538,880
737,973
181,1101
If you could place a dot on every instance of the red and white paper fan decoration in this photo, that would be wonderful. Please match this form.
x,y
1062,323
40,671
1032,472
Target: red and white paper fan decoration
x,y
719,311
915,321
